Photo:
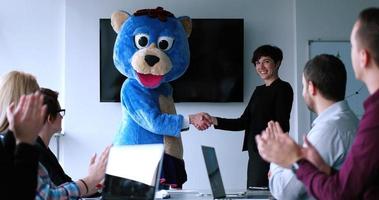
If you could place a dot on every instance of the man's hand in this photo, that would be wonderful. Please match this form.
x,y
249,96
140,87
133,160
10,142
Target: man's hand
x,y
277,147
27,117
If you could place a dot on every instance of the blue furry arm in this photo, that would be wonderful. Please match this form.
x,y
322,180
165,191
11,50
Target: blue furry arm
x,y
143,107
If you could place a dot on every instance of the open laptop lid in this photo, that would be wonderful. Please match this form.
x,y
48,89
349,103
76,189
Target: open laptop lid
x,y
133,172
214,173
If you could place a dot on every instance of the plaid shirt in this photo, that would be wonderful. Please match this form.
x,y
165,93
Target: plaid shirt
x,y
47,190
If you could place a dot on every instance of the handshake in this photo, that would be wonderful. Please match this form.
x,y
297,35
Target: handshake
x,y
202,120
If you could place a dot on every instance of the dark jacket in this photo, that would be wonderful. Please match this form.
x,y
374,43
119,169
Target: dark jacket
x,y
18,168
51,163
267,103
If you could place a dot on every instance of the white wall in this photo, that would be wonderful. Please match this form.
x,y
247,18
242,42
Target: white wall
x,y
325,20
32,40
58,41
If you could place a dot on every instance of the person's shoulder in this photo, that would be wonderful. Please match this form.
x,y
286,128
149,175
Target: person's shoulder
x,y
283,87
336,129
343,118
259,88
8,140
41,148
284,83
39,142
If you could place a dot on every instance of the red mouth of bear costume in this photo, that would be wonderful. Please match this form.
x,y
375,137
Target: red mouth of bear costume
x,y
150,80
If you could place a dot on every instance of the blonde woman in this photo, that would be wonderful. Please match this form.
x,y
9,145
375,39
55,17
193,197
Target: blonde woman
x,y
18,155
16,84
13,85
19,125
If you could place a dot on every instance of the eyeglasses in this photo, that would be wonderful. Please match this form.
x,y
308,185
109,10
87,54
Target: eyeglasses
x,y
62,112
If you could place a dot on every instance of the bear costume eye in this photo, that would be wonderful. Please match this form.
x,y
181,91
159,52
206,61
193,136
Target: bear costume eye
x,y
165,43
141,40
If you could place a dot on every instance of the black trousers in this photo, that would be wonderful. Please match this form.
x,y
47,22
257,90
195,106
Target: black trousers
x,y
257,170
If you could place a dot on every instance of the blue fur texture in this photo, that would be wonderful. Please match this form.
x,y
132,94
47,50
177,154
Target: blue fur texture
x,y
143,122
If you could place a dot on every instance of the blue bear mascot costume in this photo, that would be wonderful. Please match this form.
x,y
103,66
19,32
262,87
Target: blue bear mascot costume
x,y
151,50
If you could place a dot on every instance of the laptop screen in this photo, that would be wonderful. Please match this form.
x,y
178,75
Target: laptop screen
x,y
214,173
133,172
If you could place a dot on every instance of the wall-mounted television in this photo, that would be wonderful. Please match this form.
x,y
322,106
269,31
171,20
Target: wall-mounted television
x,y
215,73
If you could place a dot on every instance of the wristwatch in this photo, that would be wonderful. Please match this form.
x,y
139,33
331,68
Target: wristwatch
x,y
295,166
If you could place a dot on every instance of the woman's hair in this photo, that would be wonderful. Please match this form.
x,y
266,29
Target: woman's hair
x,y
50,99
12,86
267,50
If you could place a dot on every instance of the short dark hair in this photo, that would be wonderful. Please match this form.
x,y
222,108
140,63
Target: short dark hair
x,y
368,31
267,50
328,74
50,99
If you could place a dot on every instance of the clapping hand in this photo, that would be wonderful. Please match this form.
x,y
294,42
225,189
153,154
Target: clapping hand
x,y
27,117
277,147
201,120
96,170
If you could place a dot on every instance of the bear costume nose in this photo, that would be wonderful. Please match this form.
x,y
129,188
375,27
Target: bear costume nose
x,y
151,60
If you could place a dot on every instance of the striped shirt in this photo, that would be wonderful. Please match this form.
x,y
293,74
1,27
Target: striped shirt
x,y
47,190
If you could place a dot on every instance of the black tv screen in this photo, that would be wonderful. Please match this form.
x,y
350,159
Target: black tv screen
x,y
215,73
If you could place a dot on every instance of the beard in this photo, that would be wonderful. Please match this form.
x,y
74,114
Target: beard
x,y
311,108
310,104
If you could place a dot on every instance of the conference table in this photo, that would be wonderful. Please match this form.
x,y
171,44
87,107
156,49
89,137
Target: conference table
x,y
206,195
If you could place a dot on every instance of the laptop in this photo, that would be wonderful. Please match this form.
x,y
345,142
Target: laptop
x,y
133,172
215,180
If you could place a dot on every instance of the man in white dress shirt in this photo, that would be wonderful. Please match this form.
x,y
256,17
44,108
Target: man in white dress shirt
x,y
332,132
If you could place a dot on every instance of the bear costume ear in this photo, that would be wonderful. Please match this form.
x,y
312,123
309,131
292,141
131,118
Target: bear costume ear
x,y
187,24
117,19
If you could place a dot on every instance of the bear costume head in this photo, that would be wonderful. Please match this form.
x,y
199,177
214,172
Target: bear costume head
x,y
151,45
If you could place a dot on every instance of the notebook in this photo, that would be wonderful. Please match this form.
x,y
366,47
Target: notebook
x,y
133,172
215,180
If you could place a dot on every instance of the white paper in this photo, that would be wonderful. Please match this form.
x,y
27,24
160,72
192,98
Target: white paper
x,y
136,162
